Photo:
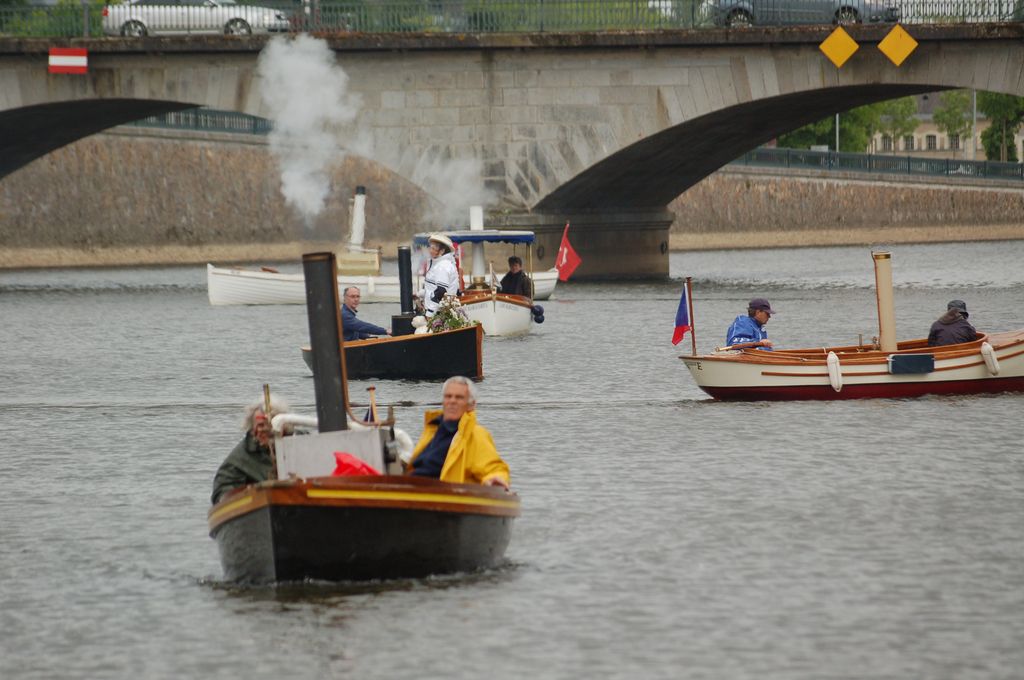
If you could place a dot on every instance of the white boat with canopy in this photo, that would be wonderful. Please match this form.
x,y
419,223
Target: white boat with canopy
x,y
499,313
358,266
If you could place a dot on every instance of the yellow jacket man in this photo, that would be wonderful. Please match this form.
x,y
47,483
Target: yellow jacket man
x,y
453,446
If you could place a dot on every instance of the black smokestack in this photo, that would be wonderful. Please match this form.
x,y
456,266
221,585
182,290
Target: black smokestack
x,y
324,311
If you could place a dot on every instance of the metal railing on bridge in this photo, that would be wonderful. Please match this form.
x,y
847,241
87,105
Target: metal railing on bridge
x,y
208,120
70,18
880,163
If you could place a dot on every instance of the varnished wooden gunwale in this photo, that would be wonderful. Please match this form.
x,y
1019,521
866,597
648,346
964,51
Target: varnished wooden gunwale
x,y
852,356
391,492
387,339
471,296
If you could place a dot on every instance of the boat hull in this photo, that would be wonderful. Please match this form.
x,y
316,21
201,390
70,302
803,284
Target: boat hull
x,y
430,356
226,286
862,373
499,314
359,528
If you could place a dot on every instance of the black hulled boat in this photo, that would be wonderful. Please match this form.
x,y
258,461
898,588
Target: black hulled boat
x,y
308,524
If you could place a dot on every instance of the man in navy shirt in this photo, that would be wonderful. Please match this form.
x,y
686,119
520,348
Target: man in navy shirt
x,y
353,328
748,332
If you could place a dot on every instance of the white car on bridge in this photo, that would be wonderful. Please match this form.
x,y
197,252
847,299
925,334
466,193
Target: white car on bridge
x,y
137,18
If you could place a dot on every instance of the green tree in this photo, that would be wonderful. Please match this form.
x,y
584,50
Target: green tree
x,y
897,118
856,127
1005,113
952,116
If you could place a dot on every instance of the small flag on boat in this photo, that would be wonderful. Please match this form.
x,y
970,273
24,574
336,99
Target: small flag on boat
x,y
682,320
68,60
567,260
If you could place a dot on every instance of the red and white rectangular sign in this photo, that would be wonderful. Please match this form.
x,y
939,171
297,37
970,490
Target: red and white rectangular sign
x,y
69,60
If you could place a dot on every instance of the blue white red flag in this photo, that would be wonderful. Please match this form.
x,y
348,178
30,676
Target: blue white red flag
x,y
682,319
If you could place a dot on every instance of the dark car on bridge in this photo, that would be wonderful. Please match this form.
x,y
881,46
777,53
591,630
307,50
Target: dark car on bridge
x,y
742,13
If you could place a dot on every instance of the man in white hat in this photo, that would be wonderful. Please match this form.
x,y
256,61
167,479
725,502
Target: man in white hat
x,y
443,276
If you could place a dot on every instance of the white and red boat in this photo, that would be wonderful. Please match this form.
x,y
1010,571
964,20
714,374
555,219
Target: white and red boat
x,y
994,362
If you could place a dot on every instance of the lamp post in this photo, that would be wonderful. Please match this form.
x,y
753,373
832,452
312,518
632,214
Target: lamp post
x,y
974,124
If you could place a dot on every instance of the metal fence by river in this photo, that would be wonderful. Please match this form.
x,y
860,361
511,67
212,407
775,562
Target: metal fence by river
x,y
213,120
663,536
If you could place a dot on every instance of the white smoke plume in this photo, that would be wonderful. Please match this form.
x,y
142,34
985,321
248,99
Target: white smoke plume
x,y
457,185
305,92
306,95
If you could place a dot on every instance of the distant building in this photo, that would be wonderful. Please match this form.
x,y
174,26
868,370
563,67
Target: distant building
x,y
930,142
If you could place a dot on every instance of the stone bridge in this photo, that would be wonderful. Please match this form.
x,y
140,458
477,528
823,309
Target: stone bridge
x,y
602,129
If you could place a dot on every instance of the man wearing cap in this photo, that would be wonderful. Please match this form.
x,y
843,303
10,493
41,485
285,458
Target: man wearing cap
x,y
748,332
952,327
442,277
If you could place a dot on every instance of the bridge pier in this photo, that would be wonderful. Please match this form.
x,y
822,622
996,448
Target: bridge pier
x,y
626,244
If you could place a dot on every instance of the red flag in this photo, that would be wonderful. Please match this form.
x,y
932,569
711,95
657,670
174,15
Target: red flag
x,y
567,260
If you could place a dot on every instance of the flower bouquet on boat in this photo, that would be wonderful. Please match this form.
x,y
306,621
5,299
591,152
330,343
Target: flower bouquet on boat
x,y
336,504
992,362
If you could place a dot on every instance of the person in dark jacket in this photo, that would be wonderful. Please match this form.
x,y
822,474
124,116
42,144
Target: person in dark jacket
x,y
748,331
250,461
952,327
351,327
516,282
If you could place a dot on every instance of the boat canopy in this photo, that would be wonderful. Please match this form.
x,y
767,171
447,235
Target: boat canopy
x,y
479,236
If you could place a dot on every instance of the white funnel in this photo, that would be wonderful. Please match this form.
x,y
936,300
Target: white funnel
x,y
355,240
476,223
886,309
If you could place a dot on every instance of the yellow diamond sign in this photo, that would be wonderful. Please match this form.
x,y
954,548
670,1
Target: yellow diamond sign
x,y
839,46
897,45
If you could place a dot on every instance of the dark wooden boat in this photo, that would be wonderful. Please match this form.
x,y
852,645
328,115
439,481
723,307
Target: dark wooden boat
x,y
309,524
359,528
430,356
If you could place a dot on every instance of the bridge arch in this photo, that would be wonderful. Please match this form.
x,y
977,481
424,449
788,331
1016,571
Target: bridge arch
x,y
605,131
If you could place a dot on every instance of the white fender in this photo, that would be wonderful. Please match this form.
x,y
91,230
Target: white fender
x,y
989,355
835,373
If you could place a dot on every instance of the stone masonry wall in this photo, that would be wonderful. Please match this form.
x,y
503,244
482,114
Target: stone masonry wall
x,y
132,198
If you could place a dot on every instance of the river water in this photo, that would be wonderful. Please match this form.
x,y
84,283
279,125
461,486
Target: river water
x,y
663,535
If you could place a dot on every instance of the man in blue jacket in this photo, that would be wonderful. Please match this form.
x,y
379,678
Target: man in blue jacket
x,y
748,332
351,327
